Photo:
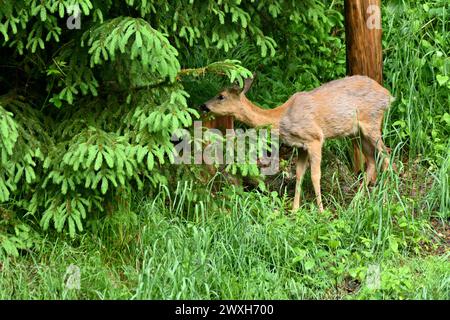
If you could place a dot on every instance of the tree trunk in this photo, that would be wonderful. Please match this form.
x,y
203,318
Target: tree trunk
x,y
364,52
220,122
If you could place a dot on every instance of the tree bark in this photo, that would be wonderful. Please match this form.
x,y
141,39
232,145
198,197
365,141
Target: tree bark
x,y
364,52
220,122
363,38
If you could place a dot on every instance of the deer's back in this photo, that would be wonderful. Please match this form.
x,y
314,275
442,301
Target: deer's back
x,y
335,109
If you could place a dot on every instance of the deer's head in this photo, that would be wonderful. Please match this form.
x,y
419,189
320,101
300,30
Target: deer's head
x,y
229,101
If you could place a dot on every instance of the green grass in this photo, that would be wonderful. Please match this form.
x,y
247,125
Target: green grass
x,y
248,247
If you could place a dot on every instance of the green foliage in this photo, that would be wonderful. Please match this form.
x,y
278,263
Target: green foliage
x,y
86,116
15,235
21,147
150,47
9,135
417,69
86,120
118,88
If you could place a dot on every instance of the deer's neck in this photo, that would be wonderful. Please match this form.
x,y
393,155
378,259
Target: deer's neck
x,y
255,116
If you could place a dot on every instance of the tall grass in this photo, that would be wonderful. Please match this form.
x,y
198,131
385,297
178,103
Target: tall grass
x,y
234,244
416,42
250,248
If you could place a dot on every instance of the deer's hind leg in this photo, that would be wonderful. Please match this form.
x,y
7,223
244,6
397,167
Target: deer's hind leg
x,y
358,158
375,139
371,138
368,150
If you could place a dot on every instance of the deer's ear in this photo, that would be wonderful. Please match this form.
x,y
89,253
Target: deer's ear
x,y
248,83
236,87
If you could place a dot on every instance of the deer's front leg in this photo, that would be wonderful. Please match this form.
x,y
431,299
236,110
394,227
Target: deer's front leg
x,y
300,168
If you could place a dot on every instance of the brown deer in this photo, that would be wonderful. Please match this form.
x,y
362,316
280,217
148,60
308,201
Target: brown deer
x,y
352,106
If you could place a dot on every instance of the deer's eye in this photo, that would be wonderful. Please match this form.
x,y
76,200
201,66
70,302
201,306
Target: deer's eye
x,y
220,97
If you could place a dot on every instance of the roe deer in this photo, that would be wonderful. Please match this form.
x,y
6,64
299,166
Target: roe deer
x,y
351,106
